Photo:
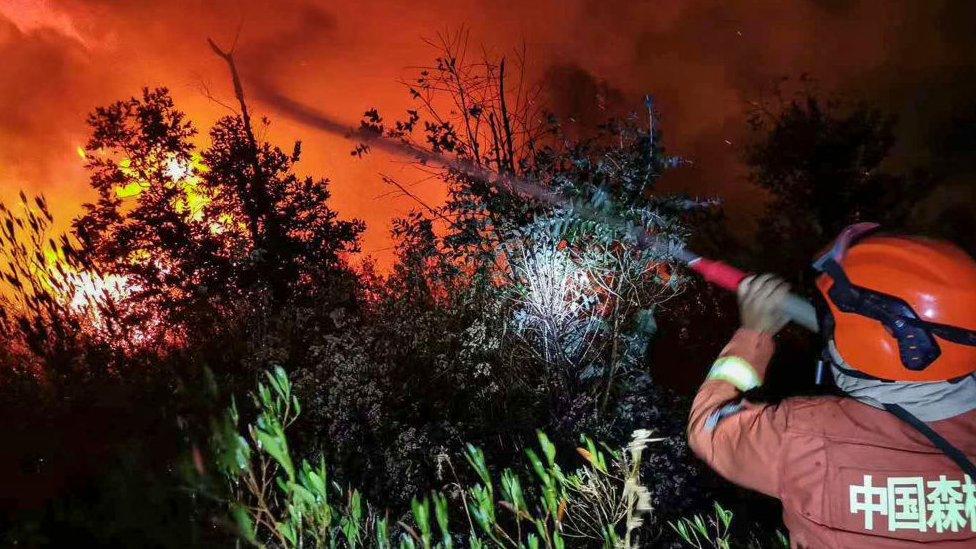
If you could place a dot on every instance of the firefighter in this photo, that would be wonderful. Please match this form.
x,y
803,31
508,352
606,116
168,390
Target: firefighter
x,y
887,461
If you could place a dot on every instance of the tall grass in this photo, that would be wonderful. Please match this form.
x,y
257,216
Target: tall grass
x,y
275,499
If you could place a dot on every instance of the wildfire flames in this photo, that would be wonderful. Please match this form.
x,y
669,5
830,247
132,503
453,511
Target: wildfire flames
x,y
35,264
80,290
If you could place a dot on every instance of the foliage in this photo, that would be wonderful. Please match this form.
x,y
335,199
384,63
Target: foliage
x,y
475,328
583,302
274,499
107,328
77,400
500,318
716,532
56,308
193,233
821,160
694,531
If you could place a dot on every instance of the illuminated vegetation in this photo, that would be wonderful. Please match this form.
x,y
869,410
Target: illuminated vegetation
x,y
499,319
277,499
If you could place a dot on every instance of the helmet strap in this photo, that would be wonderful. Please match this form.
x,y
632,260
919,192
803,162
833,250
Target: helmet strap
x,y
897,410
937,440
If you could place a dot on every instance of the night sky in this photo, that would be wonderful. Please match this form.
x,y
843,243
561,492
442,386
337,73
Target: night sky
x,y
704,61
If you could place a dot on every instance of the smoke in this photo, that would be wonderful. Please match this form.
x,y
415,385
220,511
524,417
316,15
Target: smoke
x,y
44,74
578,95
703,60
301,31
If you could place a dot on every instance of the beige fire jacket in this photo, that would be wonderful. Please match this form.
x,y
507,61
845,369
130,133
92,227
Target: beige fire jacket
x,y
849,475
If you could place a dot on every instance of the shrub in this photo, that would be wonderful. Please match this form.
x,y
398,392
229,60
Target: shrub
x,y
273,498
716,532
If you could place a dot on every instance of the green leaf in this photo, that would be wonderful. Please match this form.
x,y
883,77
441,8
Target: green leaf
x,y
421,515
301,497
594,455
548,449
382,533
279,381
512,491
314,481
287,530
442,515
540,526
610,537
476,458
537,466
276,446
724,515
551,502
244,522
682,529
356,506
350,529
482,508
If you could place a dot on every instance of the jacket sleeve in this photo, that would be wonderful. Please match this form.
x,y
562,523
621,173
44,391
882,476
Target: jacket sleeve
x,y
742,441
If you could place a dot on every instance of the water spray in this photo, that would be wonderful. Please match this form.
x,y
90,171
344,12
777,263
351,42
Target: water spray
x,y
719,273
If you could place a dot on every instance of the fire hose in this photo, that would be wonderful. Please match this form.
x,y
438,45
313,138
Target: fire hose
x,y
721,274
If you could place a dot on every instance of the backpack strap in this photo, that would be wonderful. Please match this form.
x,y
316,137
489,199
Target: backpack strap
x,y
953,453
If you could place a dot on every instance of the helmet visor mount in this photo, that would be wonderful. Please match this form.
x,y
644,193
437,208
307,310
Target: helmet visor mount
x,y
917,345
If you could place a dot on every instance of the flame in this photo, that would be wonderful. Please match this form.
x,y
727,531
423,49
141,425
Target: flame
x,y
224,222
130,190
89,289
81,290
84,292
185,174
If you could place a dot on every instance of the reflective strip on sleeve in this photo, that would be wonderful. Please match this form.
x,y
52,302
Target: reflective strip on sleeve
x,y
718,415
736,371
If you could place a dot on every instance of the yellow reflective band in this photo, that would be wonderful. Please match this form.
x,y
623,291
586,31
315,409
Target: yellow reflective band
x,y
736,371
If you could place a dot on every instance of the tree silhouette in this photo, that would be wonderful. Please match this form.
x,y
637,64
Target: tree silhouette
x,y
293,234
822,163
194,233
140,156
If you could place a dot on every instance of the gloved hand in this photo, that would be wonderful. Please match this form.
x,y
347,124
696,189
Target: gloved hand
x,y
760,303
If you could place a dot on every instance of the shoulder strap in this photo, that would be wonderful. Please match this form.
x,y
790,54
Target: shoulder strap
x,y
953,453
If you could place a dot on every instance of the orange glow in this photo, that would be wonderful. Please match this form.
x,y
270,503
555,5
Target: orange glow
x,y
89,289
81,290
185,175
703,61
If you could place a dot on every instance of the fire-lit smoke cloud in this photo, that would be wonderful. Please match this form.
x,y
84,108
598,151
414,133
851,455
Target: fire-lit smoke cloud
x,y
703,60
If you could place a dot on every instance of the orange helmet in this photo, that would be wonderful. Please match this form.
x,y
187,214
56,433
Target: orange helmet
x,y
899,308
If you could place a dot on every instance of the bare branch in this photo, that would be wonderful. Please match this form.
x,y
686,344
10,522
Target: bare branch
x,y
390,181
